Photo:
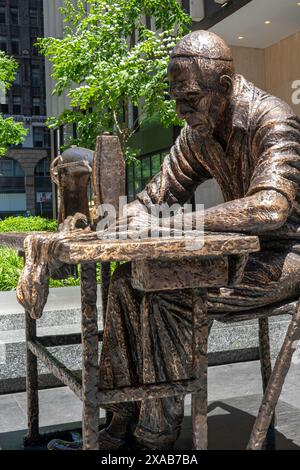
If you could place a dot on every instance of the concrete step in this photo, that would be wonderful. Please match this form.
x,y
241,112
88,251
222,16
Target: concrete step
x,y
62,308
226,337
222,338
12,349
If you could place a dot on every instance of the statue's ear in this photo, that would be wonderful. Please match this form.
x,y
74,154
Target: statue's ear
x,y
226,85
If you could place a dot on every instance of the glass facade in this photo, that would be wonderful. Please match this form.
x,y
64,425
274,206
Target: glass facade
x,y
142,171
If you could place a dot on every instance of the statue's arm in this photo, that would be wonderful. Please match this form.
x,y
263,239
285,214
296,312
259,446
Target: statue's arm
x,y
274,183
264,211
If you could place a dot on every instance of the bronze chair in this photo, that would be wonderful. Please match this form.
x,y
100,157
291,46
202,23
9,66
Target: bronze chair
x,y
272,380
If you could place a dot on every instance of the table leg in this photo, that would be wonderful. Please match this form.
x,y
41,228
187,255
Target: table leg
x,y
275,384
200,365
89,328
31,383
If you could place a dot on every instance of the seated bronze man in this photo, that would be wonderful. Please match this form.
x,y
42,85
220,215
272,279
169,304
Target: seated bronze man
x,y
249,142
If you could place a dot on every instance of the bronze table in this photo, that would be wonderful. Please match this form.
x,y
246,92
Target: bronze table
x,y
217,262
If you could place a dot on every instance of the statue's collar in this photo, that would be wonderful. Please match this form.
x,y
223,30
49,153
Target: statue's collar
x,y
241,102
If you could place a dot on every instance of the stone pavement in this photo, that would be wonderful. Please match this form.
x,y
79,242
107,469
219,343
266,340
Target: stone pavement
x,y
234,395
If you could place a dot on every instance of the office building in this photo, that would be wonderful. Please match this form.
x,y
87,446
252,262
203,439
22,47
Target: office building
x,y
25,183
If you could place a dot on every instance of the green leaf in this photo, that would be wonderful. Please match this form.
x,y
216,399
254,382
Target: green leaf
x,y
11,133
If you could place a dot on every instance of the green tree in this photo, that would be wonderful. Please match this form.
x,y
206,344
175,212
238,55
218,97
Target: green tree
x,y
11,132
109,59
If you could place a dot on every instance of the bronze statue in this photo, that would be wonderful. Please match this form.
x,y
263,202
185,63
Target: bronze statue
x,y
249,142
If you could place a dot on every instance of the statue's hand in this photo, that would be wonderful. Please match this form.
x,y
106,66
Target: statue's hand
x,y
134,226
74,222
141,226
33,285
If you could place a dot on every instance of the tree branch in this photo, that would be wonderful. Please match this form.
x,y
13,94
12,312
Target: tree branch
x,y
119,130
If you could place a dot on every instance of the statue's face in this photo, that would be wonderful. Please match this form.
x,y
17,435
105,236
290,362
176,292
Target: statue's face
x,y
197,99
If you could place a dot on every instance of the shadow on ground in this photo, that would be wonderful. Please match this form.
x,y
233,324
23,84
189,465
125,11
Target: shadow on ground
x,y
229,423
229,428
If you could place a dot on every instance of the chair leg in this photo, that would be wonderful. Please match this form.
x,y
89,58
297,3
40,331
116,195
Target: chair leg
x,y
266,371
31,384
200,366
275,384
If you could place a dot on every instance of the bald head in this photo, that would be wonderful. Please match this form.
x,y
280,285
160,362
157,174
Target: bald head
x,y
205,56
203,44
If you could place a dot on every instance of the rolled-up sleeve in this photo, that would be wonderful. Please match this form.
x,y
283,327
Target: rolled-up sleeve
x,y
276,151
180,174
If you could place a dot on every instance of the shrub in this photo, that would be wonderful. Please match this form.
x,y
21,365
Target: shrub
x,y
27,224
10,268
10,263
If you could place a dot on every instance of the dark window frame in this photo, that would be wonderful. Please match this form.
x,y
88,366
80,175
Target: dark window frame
x,y
138,180
15,46
43,141
17,107
4,12
34,16
36,108
36,81
14,13
3,42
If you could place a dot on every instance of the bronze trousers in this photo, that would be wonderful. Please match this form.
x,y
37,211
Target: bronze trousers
x,y
270,276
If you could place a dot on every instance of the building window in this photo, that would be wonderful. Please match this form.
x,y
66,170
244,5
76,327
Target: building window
x,y
33,15
34,33
4,108
43,167
47,138
40,136
6,167
140,173
10,168
26,72
2,15
34,49
146,170
17,80
14,15
36,76
130,183
36,106
3,44
17,104
15,46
